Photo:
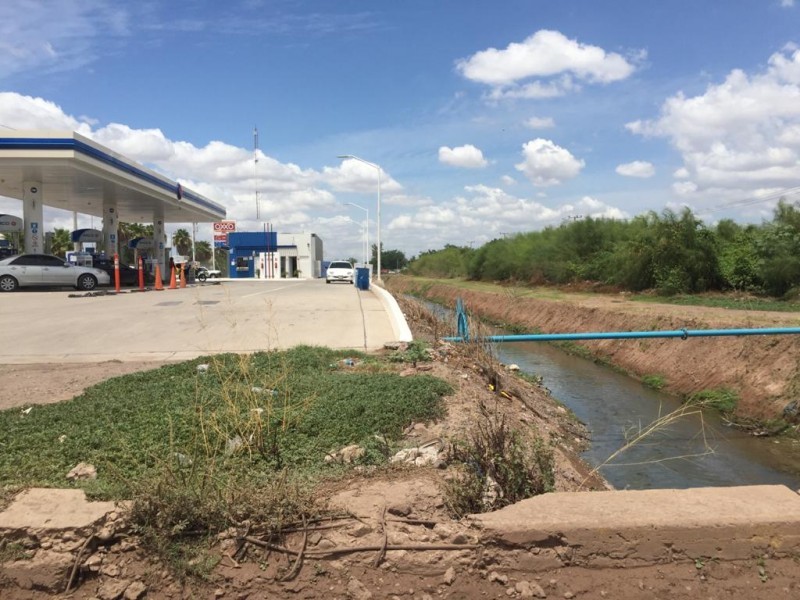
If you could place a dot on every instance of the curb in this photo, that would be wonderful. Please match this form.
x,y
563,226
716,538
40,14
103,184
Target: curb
x,y
399,325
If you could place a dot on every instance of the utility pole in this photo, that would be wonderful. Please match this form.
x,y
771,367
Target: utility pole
x,y
255,171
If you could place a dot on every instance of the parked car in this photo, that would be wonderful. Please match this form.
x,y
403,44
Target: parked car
x,y
127,275
340,270
25,270
203,273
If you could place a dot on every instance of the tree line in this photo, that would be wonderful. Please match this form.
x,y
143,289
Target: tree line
x,y
671,253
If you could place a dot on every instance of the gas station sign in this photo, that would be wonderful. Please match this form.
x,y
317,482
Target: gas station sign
x,y
224,227
221,231
142,243
10,224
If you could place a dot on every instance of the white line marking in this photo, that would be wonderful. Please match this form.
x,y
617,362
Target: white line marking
x,y
268,291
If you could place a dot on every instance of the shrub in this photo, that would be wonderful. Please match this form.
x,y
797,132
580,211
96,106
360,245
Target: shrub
x,y
655,382
498,467
722,399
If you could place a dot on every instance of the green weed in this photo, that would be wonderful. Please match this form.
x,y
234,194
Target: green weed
x,y
655,382
498,467
416,351
12,551
261,413
722,400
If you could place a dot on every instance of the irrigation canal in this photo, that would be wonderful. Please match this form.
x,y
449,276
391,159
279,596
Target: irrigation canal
x,y
693,451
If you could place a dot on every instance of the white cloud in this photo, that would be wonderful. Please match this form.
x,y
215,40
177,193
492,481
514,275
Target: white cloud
x,y
406,200
540,123
684,188
355,176
681,173
536,90
25,112
592,207
546,163
637,168
545,54
483,213
55,36
507,180
787,3
742,134
467,157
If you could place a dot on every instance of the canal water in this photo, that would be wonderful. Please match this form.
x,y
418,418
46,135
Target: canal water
x,y
694,450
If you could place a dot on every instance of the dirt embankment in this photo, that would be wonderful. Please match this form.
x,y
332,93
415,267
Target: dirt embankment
x,y
398,521
763,370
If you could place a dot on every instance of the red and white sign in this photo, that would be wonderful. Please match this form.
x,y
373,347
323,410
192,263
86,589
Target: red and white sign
x,y
224,226
9,224
220,237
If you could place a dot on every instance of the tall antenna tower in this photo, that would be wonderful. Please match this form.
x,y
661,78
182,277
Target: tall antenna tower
x,y
255,169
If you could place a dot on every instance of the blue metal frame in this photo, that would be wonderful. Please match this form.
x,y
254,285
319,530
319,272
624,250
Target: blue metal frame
x,y
463,333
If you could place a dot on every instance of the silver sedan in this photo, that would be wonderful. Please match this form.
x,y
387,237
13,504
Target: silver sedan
x,y
25,270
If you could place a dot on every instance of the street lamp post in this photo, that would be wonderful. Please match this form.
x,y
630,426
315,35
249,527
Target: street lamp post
x,y
366,162
365,251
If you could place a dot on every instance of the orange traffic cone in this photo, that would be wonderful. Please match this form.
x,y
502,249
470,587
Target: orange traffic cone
x,y
183,278
159,283
172,285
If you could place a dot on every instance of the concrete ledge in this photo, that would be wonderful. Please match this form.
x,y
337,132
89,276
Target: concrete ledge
x,y
52,509
399,324
628,528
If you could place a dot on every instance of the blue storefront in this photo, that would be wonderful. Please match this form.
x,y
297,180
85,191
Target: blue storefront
x,y
245,249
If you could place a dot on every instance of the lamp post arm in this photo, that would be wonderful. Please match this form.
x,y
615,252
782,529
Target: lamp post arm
x,y
366,162
380,249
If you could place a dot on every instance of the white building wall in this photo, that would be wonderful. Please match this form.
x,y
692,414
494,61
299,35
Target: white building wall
x,y
306,247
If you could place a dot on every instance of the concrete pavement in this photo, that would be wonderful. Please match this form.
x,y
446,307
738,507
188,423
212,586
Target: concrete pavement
x,y
50,326
635,527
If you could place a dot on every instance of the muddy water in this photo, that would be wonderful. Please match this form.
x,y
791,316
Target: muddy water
x,y
695,450
692,451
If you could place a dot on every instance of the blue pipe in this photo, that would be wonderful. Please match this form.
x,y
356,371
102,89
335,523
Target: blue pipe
x,y
624,335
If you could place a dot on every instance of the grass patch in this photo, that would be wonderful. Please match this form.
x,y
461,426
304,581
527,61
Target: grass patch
x,y
416,351
723,400
12,551
211,443
729,302
423,284
654,382
263,412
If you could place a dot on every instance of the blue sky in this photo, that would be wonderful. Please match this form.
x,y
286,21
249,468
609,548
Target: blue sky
x,y
486,118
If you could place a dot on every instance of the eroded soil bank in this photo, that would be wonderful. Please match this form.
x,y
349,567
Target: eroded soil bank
x,y
763,370
402,512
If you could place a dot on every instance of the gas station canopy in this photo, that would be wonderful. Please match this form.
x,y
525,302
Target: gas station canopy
x,y
77,174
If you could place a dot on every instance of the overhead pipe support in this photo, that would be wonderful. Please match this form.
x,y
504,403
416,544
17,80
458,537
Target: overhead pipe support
x,y
463,333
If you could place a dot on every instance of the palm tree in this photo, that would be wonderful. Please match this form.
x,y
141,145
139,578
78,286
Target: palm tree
x,y
128,232
182,242
61,242
221,258
202,251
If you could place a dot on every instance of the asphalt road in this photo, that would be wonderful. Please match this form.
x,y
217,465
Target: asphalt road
x,y
51,327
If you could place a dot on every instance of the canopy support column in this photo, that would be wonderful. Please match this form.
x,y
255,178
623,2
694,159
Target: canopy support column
x,y
33,216
158,242
110,228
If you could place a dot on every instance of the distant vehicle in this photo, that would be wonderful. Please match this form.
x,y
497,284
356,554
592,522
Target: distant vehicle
x,y
339,270
25,270
127,275
204,273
